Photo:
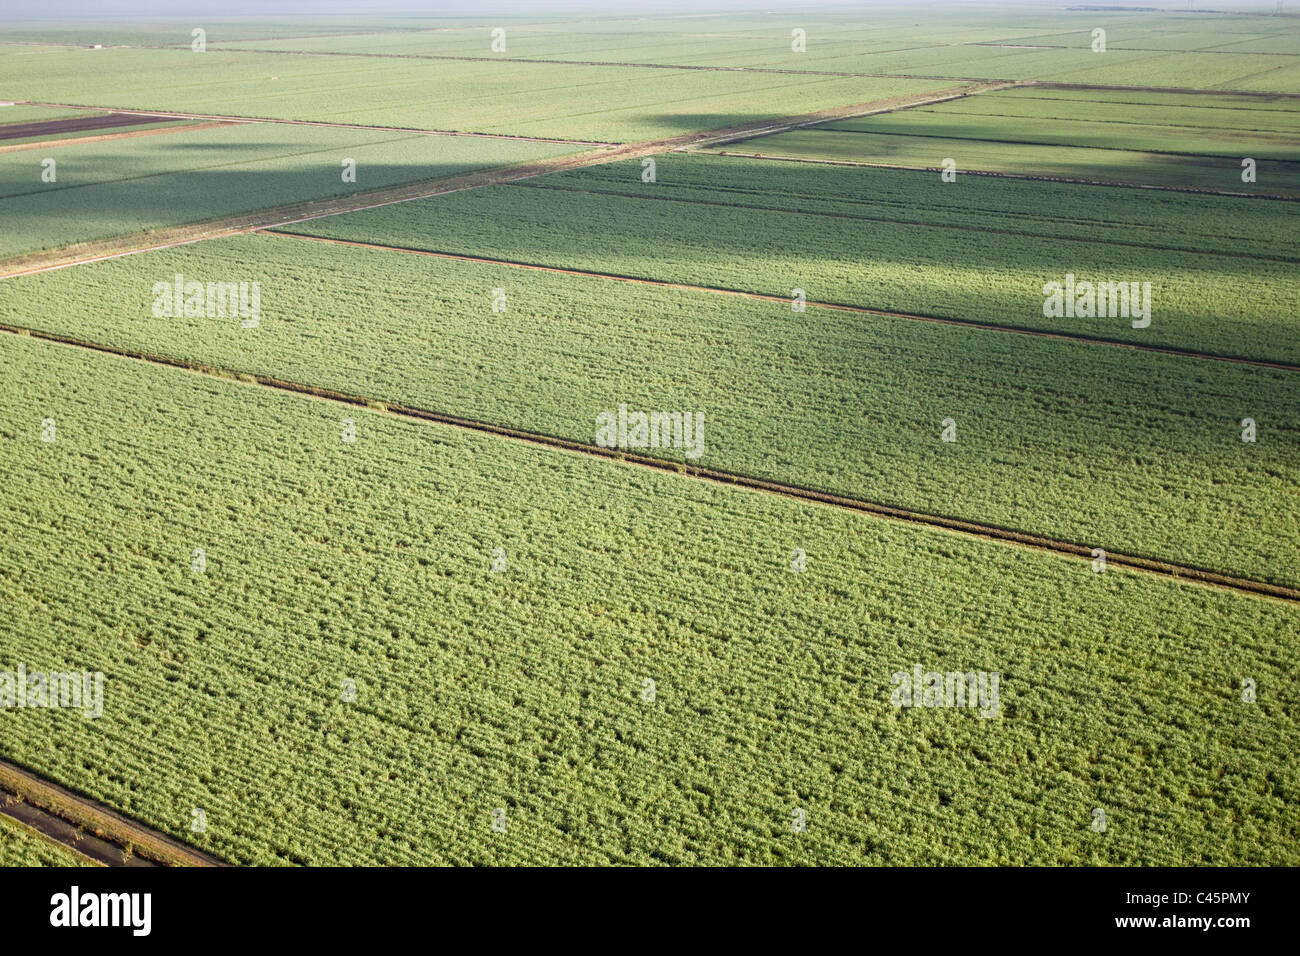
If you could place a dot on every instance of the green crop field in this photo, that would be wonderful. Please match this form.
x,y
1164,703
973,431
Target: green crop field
x,y
1179,143
606,104
1187,53
117,187
824,435
1073,163
523,689
1205,301
1152,129
872,392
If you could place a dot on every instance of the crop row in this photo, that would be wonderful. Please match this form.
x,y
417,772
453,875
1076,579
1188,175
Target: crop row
x,y
527,691
1129,451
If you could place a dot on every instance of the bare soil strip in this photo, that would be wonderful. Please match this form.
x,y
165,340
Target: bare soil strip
x,y
119,246
1254,256
290,122
131,134
985,172
89,827
78,124
784,300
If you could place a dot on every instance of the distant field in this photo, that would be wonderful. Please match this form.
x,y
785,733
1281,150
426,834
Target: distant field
x,y
118,187
20,846
37,137
177,32
1080,164
1046,210
523,690
608,104
1142,138
891,43
1015,118
824,400
1201,300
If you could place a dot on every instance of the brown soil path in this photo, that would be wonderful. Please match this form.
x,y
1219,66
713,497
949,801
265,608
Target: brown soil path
x,y
985,172
77,124
89,827
990,230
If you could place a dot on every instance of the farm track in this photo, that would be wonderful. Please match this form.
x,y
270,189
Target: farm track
x,y
924,225
974,529
88,827
119,246
784,300
291,122
130,134
1199,190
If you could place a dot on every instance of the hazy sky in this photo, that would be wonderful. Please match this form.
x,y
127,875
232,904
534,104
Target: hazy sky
x,y
99,9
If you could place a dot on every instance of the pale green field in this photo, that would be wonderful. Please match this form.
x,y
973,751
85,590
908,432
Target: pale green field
x,y
567,101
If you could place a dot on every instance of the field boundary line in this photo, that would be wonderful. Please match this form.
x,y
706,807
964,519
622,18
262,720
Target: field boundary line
x,y
957,525
1117,184
292,213
785,300
103,822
